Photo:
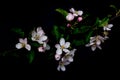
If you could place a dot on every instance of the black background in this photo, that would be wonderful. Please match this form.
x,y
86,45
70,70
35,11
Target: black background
x,y
27,15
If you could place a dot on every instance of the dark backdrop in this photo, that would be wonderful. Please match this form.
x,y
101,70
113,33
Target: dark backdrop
x,y
27,15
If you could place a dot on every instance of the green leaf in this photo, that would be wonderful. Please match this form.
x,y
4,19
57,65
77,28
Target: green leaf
x,y
31,56
18,31
104,22
97,22
35,44
76,31
62,11
84,29
78,42
56,32
88,36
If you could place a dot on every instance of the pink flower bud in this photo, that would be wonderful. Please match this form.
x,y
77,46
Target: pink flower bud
x,y
79,19
70,17
68,25
41,49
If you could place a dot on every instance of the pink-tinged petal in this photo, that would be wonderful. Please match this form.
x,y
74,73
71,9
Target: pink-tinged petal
x,y
79,19
25,41
19,46
80,13
68,25
72,10
98,42
108,29
93,48
66,50
62,41
57,57
43,38
67,45
28,47
63,68
33,33
69,17
21,40
41,49
59,51
74,14
57,46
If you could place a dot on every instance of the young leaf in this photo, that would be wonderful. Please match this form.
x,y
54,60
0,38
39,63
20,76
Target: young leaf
x,y
31,56
104,22
88,36
63,12
78,42
18,31
56,32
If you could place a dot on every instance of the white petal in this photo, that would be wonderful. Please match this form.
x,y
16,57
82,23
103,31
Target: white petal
x,y
98,42
19,45
70,59
87,45
72,10
99,47
39,29
62,41
33,33
47,47
59,51
63,68
75,14
67,44
28,47
72,52
93,48
43,38
21,40
66,50
110,25
80,13
66,63
69,17
58,68
57,46
57,57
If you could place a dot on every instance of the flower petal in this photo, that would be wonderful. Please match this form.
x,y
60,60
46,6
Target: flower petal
x,y
43,38
70,59
110,25
93,47
41,49
57,57
19,45
67,44
63,68
72,10
66,50
80,13
21,40
57,46
69,17
47,47
62,41
59,51
28,47
98,42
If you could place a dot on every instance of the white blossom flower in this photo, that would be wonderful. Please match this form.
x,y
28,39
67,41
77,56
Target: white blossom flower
x,y
62,46
76,13
39,35
108,27
69,56
69,17
62,65
23,44
95,42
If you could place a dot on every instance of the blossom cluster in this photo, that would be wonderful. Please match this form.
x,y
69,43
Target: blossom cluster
x,y
66,45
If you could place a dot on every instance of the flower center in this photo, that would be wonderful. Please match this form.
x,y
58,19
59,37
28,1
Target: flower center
x,y
62,47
